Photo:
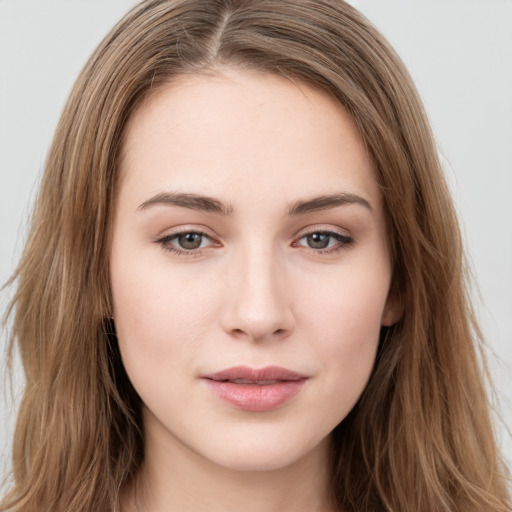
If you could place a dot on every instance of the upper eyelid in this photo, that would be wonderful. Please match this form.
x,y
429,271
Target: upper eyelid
x,y
167,233
326,230
187,231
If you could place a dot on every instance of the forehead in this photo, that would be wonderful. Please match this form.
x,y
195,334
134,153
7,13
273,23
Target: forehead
x,y
220,133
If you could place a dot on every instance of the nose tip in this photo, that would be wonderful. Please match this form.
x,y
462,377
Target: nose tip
x,y
258,331
258,307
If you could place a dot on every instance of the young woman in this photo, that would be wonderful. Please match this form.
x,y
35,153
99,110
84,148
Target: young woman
x,y
244,283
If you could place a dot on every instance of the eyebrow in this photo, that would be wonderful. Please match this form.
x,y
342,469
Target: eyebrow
x,y
326,203
191,201
211,205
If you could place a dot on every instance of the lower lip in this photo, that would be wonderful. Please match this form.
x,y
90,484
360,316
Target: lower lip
x,y
255,397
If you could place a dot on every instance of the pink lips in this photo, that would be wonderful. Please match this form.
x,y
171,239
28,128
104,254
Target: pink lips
x,y
255,390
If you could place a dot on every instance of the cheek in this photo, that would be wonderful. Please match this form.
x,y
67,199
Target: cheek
x,y
345,324
160,318
347,309
349,339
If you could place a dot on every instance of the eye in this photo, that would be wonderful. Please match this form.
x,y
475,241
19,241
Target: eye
x,y
324,241
186,242
190,241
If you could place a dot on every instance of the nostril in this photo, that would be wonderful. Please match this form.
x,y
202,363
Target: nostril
x,y
278,333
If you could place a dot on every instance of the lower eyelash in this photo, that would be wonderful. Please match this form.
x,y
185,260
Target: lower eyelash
x,y
179,252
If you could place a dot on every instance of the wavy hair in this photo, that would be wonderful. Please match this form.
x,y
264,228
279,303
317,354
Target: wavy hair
x,y
419,439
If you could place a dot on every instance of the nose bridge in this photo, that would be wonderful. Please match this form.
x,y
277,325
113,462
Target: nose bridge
x,y
258,306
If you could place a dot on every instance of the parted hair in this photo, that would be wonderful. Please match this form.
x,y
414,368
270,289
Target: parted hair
x,y
420,439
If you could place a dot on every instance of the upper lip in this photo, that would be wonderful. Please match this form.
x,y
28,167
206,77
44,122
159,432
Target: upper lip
x,y
245,373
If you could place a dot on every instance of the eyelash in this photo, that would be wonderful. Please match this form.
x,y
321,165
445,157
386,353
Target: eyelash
x,y
344,242
165,242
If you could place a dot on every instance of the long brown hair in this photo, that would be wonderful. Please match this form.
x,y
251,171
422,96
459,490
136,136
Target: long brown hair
x,y
419,439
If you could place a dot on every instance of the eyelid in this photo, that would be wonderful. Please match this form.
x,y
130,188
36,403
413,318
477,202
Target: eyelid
x,y
323,229
185,228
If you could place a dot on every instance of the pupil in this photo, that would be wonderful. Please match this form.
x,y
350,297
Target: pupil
x,y
318,241
190,240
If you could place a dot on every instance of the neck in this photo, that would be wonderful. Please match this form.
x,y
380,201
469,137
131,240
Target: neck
x,y
174,477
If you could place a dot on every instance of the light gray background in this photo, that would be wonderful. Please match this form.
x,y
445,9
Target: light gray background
x,y
458,51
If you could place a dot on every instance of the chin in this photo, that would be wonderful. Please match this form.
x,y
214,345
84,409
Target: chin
x,y
265,454
257,461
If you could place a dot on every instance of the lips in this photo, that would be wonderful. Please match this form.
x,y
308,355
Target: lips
x,y
255,390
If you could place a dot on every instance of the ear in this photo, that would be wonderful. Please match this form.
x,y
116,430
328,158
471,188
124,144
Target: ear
x,y
394,307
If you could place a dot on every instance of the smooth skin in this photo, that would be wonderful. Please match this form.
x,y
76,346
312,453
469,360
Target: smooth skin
x,y
249,230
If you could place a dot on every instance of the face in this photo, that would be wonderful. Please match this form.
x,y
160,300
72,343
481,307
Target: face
x,y
249,266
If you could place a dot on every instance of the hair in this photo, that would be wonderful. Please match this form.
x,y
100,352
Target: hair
x,y
419,439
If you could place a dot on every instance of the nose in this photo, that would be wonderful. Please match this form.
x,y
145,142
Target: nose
x,y
258,303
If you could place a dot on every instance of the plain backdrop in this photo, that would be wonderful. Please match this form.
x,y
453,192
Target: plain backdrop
x,y
459,52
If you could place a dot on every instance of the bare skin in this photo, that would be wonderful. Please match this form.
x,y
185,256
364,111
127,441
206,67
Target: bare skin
x,y
249,233
189,484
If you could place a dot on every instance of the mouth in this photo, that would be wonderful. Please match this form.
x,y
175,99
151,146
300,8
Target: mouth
x,y
256,390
